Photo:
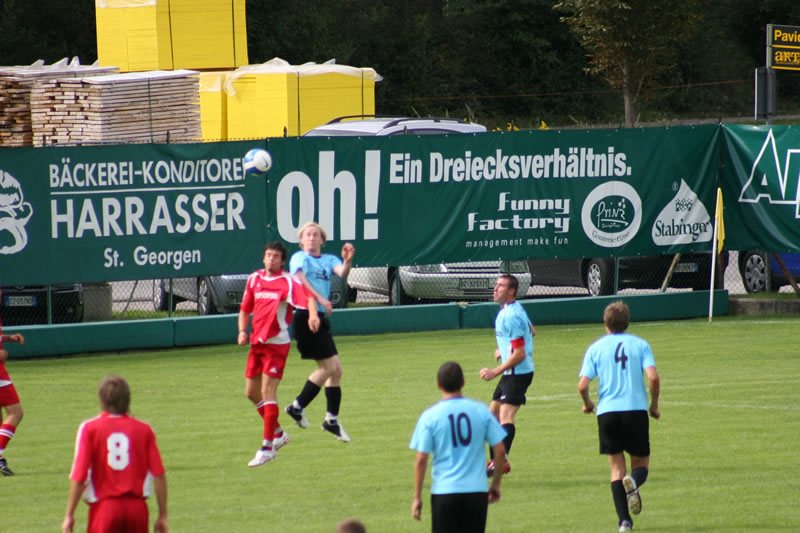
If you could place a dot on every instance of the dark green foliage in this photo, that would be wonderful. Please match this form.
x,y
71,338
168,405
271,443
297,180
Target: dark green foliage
x,y
494,61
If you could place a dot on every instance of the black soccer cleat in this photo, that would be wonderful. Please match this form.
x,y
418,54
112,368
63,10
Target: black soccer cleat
x,y
4,469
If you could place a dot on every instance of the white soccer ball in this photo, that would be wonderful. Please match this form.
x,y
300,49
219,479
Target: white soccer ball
x,y
257,162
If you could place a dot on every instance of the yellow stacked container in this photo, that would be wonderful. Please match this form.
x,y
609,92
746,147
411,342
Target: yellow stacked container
x,y
138,35
213,106
274,98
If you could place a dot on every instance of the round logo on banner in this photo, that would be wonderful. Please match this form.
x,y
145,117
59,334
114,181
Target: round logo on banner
x,y
611,214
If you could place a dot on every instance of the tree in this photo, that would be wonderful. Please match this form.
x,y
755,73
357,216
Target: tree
x,y
631,41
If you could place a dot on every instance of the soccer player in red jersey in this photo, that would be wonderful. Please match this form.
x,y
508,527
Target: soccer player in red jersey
x,y
270,296
116,458
9,400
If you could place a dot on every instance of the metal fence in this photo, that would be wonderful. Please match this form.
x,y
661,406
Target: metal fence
x,y
378,286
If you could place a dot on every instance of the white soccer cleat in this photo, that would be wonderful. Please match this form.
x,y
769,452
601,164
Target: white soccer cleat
x,y
337,430
297,415
632,491
281,441
262,456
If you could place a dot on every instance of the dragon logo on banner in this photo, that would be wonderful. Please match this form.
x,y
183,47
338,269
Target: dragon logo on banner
x,y
15,213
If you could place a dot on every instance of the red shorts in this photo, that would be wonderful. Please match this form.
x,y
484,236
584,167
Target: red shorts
x,y
269,359
8,395
118,515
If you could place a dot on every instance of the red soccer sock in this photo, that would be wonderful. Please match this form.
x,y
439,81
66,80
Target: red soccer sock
x,y
260,409
6,432
270,420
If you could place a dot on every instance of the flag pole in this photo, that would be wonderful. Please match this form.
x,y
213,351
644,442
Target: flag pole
x,y
714,250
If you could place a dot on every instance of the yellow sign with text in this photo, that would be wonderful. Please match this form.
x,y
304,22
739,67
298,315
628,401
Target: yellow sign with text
x,y
783,44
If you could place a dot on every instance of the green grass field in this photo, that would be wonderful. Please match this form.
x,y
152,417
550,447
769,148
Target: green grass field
x,y
725,452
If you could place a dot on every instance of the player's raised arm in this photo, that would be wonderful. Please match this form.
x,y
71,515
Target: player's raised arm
x,y
348,252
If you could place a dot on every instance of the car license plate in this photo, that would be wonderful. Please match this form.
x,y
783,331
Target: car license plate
x,y
686,267
20,301
471,283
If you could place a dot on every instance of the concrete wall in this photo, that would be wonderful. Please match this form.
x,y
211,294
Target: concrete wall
x,y
64,339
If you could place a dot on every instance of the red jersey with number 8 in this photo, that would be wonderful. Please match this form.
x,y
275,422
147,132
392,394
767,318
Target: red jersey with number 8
x,y
117,456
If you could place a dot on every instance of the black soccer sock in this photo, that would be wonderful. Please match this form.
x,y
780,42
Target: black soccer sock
x,y
307,395
620,501
334,397
511,430
639,475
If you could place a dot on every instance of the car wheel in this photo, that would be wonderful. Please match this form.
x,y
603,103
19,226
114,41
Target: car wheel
x,y
397,296
352,294
597,277
205,303
161,297
753,269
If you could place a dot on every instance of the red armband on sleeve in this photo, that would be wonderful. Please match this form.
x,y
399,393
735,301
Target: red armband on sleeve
x,y
518,343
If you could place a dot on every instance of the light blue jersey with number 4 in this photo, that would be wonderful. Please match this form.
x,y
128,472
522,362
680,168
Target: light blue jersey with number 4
x,y
619,360
456,431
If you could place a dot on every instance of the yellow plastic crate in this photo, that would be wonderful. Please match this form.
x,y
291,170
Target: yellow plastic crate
x,y
171,34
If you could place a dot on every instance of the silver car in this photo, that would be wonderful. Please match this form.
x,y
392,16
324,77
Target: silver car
x,y
444,281
213,294
473,281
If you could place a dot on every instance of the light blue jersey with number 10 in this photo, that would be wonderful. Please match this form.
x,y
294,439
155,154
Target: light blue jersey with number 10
x,y
456,431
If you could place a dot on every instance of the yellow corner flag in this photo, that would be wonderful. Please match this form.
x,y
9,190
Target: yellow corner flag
x,y
720,221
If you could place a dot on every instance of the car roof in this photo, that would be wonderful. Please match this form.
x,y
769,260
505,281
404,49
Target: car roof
x,y
371,125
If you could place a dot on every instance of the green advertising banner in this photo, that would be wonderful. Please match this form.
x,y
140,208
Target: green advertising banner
x,y
505,195
761,171
107,213
127,212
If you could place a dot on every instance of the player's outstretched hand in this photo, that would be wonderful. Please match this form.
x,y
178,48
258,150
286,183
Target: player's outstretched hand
x,y
416,509
242,339
348,252
487,374
588,408
16,337
160,526
326,304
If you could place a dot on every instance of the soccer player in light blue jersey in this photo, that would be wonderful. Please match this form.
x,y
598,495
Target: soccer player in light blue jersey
x,y
514,333
619,361
314,270
455,431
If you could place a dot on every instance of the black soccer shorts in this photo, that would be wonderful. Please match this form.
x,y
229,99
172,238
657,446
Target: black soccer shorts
x,y
315,346
512,388
624,431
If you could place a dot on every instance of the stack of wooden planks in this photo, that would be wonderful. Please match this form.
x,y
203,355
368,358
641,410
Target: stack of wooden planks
x,y
147,107
16,84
